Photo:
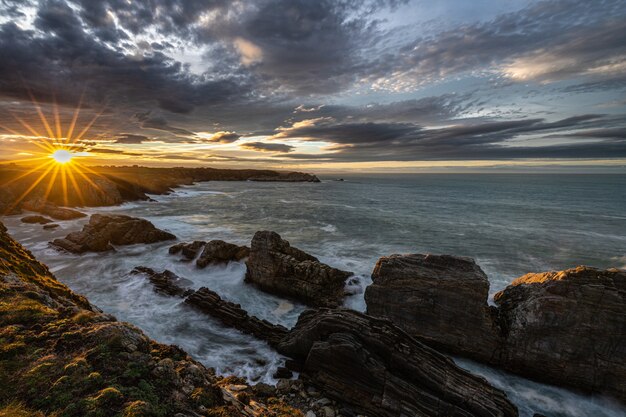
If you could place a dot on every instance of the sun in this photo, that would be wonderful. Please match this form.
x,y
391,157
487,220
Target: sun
x,y
61,156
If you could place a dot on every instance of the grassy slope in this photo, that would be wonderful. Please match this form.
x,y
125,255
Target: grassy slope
x,y
59,356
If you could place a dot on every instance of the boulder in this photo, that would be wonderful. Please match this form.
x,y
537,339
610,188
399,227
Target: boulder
x,y
51,210
103,231
567,328
218,251
189,250
35,219
440,299
232,315
166,282
380,370
276,267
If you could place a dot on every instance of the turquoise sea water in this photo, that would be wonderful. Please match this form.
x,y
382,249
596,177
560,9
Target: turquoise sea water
x,y
511,224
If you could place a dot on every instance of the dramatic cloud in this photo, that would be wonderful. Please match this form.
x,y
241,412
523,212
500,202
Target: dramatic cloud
x,y
267,147
342,80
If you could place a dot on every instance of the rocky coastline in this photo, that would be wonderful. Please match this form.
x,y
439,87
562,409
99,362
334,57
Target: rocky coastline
x,y
390,361
108,186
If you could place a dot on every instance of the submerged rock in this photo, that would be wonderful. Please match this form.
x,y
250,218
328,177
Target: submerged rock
x,y
380,370
233,315
440,299
276,267
166,282
218,251
188,249
103,231
35,219
50,226
565,328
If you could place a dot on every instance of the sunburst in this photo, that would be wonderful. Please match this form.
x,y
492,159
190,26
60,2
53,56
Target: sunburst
x,y
58,155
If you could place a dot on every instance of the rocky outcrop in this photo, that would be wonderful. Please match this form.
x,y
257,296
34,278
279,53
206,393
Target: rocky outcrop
x,y
276,267
189,250
51,210
440,299
218,251
566,328
381,371
103,231
232,315
166,282
35,219
61,356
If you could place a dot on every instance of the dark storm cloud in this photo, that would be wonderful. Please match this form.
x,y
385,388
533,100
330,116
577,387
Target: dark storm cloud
x,y
492,140
159,122
267,147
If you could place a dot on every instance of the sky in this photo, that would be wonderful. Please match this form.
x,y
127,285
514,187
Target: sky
x,y
318,85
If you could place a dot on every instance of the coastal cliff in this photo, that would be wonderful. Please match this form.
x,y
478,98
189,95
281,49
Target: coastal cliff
x,y
106,186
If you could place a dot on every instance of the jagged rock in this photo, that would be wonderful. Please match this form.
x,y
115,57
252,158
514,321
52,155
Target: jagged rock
x,y
50,210
439,299
188,249
233,315
567,328
381,371
276,267
166,282
103,231
35,219
218,251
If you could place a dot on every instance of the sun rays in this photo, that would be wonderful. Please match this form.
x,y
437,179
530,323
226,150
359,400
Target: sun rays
x,y
56,162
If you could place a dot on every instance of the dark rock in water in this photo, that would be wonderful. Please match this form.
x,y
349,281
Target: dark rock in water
x,y
166,282
35,219
50,210
282,373
380,370
440,299
233,315
565,328
104,231
188,249
276,267
50,226
218,251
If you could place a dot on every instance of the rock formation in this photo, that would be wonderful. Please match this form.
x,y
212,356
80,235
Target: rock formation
x,y
232,315
218,251
103,231
165,282
442,300
51,210
35,219
61,356
189,250
381,371
276,267
565,328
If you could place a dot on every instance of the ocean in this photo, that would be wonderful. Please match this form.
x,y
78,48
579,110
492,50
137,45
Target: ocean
x,y
510,224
